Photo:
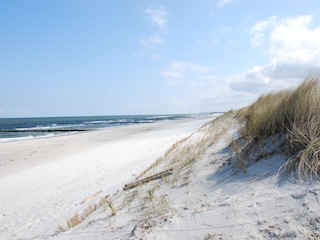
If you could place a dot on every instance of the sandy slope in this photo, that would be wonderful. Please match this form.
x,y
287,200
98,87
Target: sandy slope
x,y
209,196
44,181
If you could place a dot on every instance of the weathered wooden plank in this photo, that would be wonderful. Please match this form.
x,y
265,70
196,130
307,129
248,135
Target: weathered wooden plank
x,y
148,179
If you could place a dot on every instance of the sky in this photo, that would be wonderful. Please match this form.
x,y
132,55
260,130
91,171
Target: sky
x,y
124,57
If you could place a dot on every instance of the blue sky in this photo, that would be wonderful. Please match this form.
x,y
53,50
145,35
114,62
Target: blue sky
x,y
100,57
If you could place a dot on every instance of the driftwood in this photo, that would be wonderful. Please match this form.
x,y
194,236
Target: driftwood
x,y
148,179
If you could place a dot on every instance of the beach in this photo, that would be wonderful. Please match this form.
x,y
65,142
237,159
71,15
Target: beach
x,y
43,181
180,179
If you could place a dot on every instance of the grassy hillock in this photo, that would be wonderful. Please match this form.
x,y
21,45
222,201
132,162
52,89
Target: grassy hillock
x,y
294,113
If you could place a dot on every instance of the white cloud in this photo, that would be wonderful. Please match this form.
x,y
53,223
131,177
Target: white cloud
x,y
222,3
293,48
294,40
204,90
259,31
158,16
149,46
181,72
151,42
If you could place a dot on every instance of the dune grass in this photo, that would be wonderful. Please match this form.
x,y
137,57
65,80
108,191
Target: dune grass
x,y
112,208
78,218
294,112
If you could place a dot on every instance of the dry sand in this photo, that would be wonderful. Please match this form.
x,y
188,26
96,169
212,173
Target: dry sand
x,y
43,181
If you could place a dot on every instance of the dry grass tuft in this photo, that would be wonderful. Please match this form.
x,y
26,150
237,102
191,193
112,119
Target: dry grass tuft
x,y
78,218
112,208
151,194
294,112
74,221
173,148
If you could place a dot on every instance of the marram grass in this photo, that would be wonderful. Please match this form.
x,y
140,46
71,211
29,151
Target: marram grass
x,y
294,112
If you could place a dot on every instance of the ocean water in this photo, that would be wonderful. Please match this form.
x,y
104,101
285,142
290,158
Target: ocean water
x,y
25,128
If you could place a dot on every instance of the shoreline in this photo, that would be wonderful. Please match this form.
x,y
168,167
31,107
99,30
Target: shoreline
x,y
29,128
21,154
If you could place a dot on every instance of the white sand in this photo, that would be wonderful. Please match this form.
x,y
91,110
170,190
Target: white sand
x,y
43,181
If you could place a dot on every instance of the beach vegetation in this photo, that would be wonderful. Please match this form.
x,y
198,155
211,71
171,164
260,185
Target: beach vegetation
x,y
171,150
74,221
78,218
112,208
60,229
151,194
294,113
131,196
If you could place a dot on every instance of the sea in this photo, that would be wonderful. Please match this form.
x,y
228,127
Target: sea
x,y
27,128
